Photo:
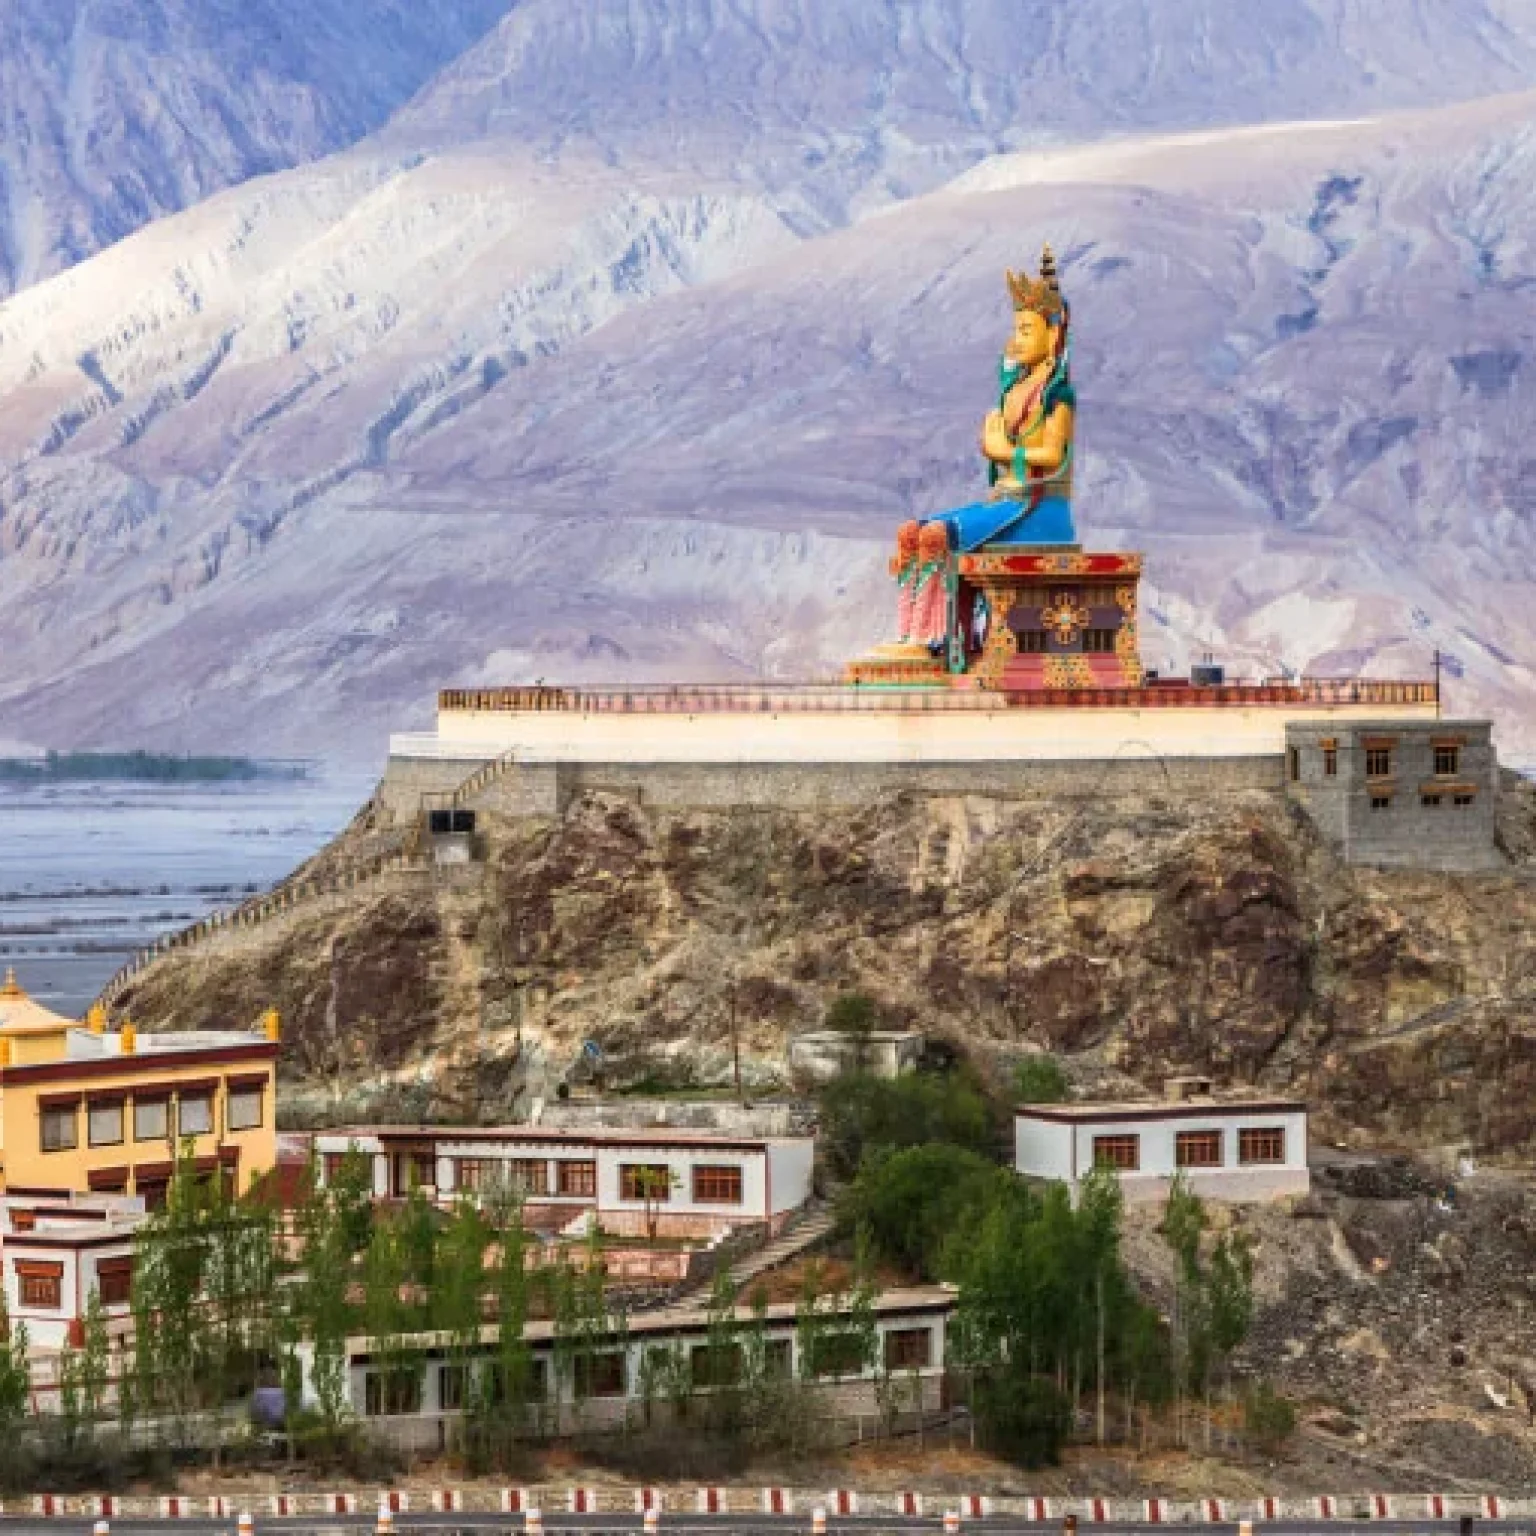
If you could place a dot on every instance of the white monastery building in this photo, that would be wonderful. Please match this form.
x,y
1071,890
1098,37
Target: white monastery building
x,y
56,1251
1229,1149
689,1183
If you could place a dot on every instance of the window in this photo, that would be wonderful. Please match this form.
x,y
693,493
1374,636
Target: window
x,y
717,1185
1378,762
60,1127
472,1174
651,1182
23,1221
396,1391
1099,641
1462,799
150,1119
535,1385
600,1375
41,1285
114,1282
530,1175
195,1114
1198,1149
104,1122
779,1359
1381,802
1263,1144
908,1349
576,1178
837,1354
712,1366
1031,641
451,1383
1447,761
1293,763
245,1107
1430,802
1123,1152
1330,760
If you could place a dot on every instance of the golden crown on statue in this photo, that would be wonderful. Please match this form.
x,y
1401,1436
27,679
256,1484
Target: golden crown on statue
x,y
1041,294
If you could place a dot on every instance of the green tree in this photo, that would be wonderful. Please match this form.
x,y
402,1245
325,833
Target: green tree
x,y
1039,1079
909,1202
860,1113
458,1301
319,1305
1269,1419
15,1396
389,1316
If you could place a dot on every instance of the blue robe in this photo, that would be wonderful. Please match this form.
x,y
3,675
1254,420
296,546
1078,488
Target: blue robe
x,y
1006,525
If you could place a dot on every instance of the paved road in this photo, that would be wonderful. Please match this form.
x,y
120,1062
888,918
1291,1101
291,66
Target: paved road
x,y
735,1525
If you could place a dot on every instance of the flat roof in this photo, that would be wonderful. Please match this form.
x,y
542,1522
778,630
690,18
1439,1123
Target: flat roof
x,y
694,1319
614,1136
1158,1109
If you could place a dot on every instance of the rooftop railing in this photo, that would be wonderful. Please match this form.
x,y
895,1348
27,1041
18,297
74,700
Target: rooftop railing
x,y
850,698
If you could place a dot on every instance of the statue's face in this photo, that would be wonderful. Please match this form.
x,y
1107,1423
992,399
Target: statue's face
x,y
1031,342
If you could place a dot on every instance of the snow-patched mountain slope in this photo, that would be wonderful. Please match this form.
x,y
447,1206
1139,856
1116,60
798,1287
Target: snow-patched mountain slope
x,y
868,99
113,112
286,463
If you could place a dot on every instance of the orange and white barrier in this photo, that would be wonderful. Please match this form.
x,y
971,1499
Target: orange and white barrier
x,y
652,1520
47,1504
104,1508
843,1501
1435,1506
1324,1508
710,1501
533,1522
951,1522
341,1503
283,1505
245,1526
1268,1508
219,1507
395,1501
975,1506
1215,1511
1381,1506
513,1501
1036,1509
648,1499
581,1501
1154,1511
1493,1507
909,1504
818,1521
447,1501
778,1501
1098,1510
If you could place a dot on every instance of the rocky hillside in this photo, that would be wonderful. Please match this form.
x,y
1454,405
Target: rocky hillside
x,y
1132,938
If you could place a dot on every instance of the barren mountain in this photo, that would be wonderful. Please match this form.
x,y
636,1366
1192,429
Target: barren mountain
x,y
113,112
622,349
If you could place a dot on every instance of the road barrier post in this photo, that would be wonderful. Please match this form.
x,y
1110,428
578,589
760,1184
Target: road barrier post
x,y
818,1521
1245,1528
652,1520
385,1525
951,1522
533,1523
1069,1525
244,1525
101,1528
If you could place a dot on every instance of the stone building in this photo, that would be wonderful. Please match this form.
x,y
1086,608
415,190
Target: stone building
x,y
1399,792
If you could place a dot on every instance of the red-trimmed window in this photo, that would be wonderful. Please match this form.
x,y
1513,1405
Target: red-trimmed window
x,y
717,1184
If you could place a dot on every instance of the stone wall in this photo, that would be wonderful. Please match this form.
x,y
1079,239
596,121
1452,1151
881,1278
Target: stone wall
x,y
546,789
1410,815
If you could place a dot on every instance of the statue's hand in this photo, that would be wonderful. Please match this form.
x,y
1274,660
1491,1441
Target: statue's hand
x,y
995,443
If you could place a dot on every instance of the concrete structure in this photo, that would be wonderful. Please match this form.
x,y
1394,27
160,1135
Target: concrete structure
x,y
56,1252
823,1054
1229,1149
1412,793
687,1183
85,1108
418,1405
803,747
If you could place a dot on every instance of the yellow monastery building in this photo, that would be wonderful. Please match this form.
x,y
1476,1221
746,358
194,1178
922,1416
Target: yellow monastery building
x,y
84,1107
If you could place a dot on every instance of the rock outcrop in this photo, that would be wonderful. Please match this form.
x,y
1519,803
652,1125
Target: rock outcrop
x,y
1134,939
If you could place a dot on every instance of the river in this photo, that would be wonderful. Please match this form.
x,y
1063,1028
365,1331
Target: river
x,y
92,872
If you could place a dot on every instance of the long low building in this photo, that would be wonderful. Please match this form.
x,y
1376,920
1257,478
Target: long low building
x,y
1227,1149
682,1183
418,1388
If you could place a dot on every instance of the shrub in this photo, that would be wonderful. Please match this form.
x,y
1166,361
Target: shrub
x,y
1269,1419
852,1013
1040,1080
1021,1417
860,1114
911,1201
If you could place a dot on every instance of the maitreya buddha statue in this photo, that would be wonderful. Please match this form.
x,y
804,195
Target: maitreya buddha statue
x,y
1027,443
